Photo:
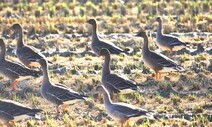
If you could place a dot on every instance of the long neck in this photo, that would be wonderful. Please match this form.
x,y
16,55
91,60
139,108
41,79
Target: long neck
x,y
20,38
106,65
45,74
107,100
159,30
2,53
95,32
146,45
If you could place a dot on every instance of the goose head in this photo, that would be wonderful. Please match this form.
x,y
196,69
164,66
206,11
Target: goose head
x,y
16,27
141,34
92,21
159,19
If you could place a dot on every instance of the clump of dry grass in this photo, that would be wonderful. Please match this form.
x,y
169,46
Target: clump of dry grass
x,y
83,72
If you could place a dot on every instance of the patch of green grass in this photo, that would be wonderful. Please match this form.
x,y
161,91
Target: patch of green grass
x,y
161,109
123,98
175,98
158,99
138,97
191,97
197,109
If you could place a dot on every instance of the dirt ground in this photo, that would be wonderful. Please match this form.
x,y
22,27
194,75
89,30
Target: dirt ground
x,y
59,30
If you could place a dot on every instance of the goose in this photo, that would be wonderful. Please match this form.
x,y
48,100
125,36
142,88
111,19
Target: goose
x,y
57,94
28,55
13,70
97,43
167,42
113,82
122,112
14,111
156,61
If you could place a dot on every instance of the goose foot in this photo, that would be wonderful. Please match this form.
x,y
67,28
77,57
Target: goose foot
x,y
14,87
58,111
65,108
128,124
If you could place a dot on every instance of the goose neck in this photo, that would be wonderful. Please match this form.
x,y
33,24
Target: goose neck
x,y
159,30
20,38
107,100
45,74
2,53
95,32
146,45
106,65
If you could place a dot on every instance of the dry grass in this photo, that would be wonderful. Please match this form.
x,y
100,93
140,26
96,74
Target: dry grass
x,y
63,27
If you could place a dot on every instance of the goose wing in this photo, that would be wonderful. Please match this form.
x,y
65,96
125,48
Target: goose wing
x,y
162,60
30,53
19,69
129,110
63,93
173,41
11,109
110,46
120,82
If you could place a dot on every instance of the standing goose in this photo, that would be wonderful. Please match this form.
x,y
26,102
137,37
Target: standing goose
x,y
113,82
167,42
122,112
97,43
13,70
14,111
57,94
156,61
26,54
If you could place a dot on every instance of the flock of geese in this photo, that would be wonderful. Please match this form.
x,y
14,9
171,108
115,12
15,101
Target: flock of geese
x,y
61,95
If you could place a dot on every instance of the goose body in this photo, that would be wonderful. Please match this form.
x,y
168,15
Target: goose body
x,y
26,54
156,61
57,94
14,111
13,70
167,42
111,81
98,44
122,112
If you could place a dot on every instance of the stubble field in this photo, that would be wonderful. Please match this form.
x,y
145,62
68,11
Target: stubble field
x,y
58,28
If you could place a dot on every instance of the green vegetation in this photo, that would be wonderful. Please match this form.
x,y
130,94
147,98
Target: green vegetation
x,y
61,25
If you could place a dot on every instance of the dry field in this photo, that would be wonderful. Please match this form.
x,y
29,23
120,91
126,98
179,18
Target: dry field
x,y
59,29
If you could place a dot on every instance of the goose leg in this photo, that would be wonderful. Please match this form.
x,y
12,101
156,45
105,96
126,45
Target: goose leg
x,y
58,112
156,75
14,87
122,125
171,53
13,123
7,124
32,68
159,75
128,124
65,106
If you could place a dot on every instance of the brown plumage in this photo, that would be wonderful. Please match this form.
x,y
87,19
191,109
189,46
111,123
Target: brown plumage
x,y
167,42
57,94
157,61
13,70
14,111
114,82
98,44
122,112
26,54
